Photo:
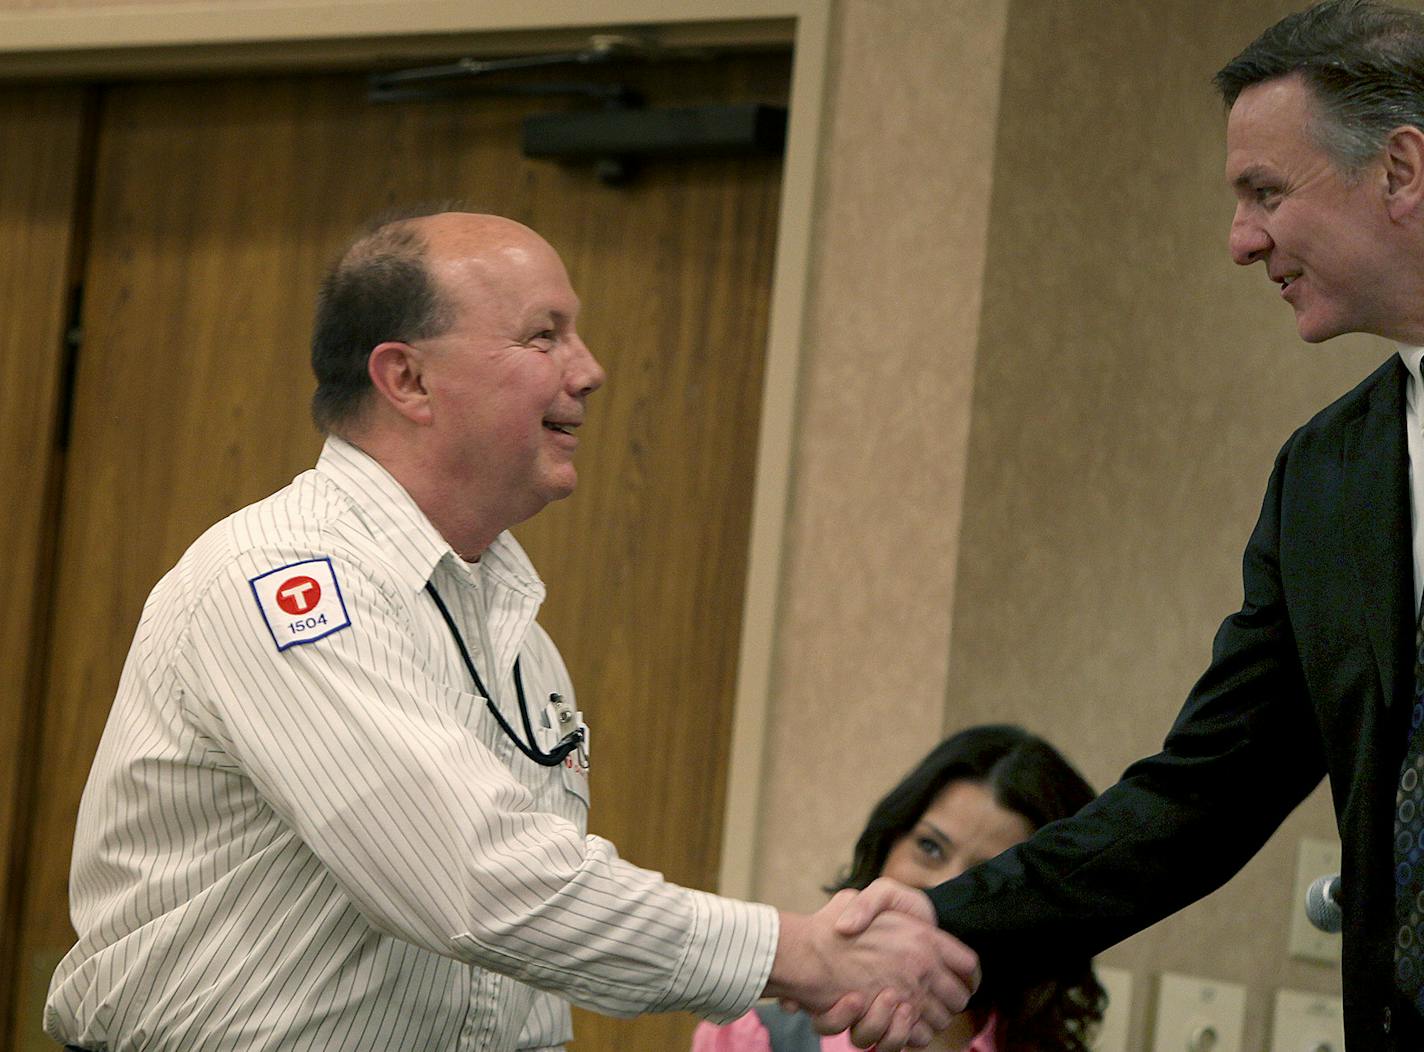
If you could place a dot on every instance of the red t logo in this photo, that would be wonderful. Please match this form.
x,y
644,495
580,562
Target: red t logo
x,y
298,595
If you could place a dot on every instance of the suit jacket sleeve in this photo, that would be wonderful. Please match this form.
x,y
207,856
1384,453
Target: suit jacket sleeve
x,y
1244,751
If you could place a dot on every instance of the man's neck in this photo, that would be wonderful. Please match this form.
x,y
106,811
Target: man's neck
x,y
468,528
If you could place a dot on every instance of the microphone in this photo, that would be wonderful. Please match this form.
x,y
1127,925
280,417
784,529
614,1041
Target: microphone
x,y
1322,903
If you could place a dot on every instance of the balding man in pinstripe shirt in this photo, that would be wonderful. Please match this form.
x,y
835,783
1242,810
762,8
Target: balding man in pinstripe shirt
x,y
340,802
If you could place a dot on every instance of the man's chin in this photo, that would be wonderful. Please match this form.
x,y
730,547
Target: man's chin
x,y
559,488
539,497
1315,331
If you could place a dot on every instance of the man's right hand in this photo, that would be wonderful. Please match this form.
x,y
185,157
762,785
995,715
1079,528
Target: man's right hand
x,y
893,982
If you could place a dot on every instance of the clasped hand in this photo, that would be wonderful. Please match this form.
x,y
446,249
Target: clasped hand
x,y
883,968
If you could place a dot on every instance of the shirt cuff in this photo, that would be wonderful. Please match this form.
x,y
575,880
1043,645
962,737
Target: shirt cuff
x,y
727,960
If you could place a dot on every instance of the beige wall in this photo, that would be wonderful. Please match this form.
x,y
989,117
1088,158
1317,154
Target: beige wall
x,y
1037,407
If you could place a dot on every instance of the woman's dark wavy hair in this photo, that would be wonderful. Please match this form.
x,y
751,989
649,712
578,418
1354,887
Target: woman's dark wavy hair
x,y
1030,777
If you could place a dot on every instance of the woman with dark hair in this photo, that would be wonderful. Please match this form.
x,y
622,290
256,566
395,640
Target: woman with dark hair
x,y
976,794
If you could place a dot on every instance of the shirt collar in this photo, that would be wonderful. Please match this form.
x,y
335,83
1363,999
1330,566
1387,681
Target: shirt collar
x,y
406,536
1411,357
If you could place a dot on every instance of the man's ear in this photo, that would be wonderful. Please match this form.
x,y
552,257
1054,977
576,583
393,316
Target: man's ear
x,y
1404,172
396,371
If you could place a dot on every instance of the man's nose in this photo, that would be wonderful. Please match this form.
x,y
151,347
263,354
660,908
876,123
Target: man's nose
x,y
1248,241
585,374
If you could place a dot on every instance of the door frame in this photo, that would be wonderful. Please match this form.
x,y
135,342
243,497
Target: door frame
x,y
98,39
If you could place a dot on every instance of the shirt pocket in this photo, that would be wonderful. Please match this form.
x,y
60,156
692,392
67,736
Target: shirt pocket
x,y
471,712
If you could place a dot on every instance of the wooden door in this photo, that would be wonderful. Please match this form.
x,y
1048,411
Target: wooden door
x,y
217,205
41,132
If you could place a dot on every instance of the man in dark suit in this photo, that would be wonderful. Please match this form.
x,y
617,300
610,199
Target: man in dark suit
x,y
1316,674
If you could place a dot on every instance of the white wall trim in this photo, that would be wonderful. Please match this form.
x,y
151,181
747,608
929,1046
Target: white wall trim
x,y
111,26
772,490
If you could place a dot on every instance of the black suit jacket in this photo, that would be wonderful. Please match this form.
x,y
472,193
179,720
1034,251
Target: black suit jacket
x,y
1312,676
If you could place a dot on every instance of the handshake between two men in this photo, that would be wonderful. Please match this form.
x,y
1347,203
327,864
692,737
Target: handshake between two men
x,y
876,962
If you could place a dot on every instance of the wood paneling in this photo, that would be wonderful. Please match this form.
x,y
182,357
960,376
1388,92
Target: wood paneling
x,y
40,145
217,206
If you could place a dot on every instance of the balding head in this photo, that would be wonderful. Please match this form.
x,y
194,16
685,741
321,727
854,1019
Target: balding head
x,y
470,257
478,418
391,283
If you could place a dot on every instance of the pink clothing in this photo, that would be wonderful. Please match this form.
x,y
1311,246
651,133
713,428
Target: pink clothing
x,y
747,1034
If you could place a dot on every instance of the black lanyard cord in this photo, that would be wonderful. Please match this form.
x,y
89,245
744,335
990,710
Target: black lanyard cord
x,y
560,752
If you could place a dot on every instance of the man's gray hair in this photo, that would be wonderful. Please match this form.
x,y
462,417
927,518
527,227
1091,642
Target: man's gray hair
x,y
1363,62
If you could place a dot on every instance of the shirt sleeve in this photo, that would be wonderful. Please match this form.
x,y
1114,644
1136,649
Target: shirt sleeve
x,y
374,764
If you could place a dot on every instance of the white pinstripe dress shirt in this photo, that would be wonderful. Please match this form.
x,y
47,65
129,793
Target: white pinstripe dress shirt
x,y
333,845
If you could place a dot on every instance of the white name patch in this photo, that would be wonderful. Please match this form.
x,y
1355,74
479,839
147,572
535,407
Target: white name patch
x,y
301,602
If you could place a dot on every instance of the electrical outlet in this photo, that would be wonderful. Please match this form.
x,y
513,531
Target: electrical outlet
x,y
1198,1015
1112,1035
1314,858
1308,1023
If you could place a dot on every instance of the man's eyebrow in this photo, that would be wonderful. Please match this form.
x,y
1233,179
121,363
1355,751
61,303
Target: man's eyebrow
x,y
540,315
1249,176
559,314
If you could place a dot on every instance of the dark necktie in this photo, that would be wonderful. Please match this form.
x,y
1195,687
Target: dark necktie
x,y
1409,849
